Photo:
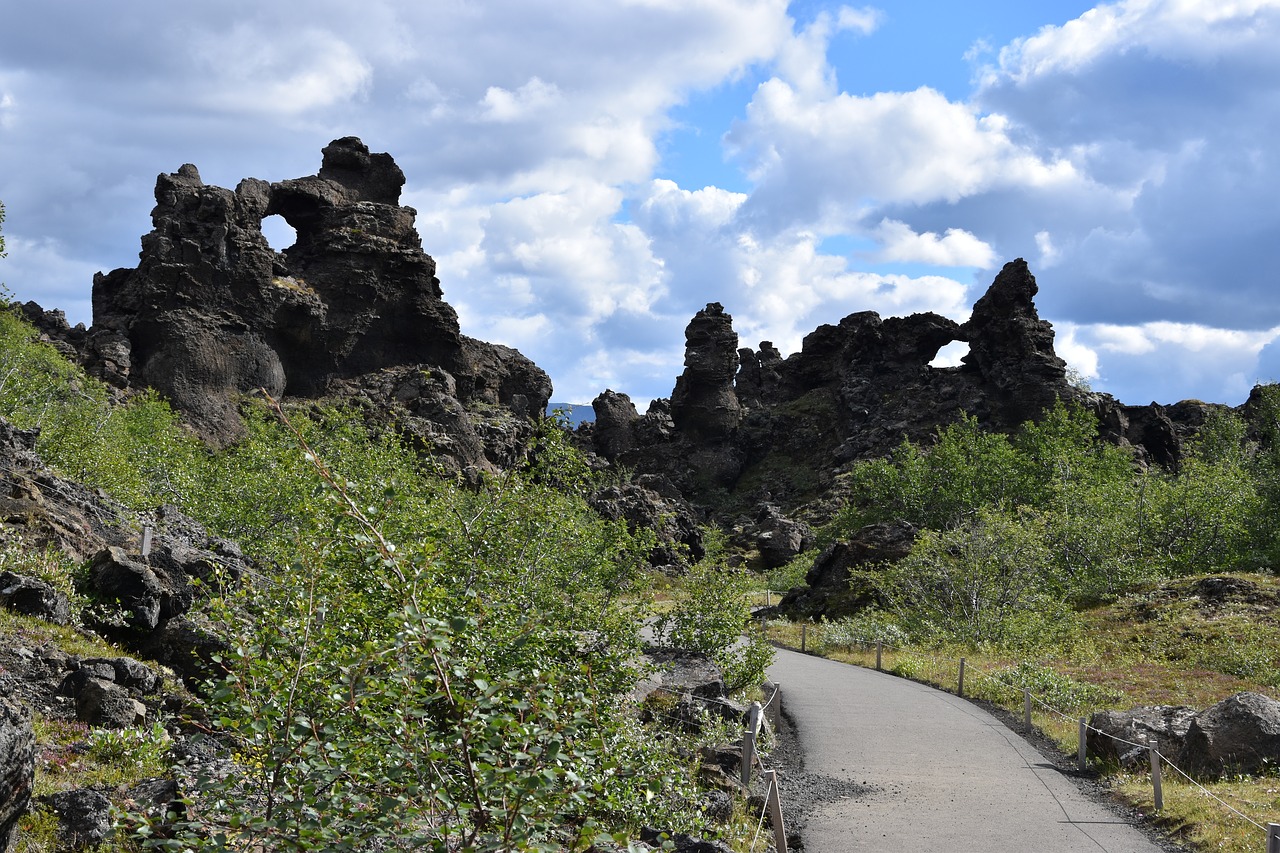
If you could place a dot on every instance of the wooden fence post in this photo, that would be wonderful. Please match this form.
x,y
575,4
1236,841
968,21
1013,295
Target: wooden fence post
x,y
1026,707
1273,838
1081,750
1156,788
749,731
803,632
147,533
774,803
960,691
879,648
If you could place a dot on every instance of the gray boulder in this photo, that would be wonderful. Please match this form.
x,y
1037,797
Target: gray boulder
x,y
1240,734
106,704
84,817
1113,733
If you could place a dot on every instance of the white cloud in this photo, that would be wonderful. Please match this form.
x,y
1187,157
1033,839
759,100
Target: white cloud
x,y
956,248
1193,30
1170,361
1074,352
864,20
524,103
247,69
1049,254
814,159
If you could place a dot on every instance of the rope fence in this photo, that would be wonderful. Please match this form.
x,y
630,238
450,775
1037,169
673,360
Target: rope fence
x,y
1157,759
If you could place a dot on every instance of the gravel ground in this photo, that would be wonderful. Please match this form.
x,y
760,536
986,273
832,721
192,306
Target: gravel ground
x,y
801,791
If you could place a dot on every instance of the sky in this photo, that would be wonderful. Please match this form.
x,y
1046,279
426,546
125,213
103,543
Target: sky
x,y
590,173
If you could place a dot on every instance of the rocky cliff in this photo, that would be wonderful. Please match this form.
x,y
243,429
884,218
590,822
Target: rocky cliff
x,y
353,308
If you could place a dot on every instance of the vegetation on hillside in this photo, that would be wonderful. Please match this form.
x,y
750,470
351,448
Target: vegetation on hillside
x,y
1018,532
418,663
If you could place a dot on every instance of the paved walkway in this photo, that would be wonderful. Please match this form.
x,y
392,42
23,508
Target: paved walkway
x,y
945,774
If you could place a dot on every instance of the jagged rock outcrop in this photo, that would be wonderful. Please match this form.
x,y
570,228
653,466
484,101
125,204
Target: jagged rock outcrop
x,y
652,504
747,426
703,404
212,312
827,590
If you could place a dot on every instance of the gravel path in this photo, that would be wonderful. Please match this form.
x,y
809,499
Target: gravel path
x,y
869,761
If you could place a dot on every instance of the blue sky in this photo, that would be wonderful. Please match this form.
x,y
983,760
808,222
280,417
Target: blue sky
x,y
588,174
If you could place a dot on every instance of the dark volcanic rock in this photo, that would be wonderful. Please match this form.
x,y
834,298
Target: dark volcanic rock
x,y
652,504
106,704
33,597
1012,348
612,435
703,404
212,312
84,817
1240,734
17,767
778,539
828,590
1113,733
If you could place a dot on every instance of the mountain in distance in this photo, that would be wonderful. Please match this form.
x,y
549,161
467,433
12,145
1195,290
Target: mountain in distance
x,y
575,413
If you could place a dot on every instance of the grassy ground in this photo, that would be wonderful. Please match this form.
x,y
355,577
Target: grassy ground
x,y
1170,644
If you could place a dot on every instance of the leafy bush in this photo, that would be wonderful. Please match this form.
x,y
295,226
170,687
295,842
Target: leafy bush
x,y
709,616
861,629
139,750
1051,687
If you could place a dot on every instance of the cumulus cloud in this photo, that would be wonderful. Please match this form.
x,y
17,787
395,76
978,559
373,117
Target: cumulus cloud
x,y
956,248
1171,361
1172,104
811,157
246,69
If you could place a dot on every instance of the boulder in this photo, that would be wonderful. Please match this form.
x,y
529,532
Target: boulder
x,y
84,817
108,705
1113,733
34,597
1240,734
827,591
778,539
17,767
134,587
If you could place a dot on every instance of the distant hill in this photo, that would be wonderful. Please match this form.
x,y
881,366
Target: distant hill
x,y
577,414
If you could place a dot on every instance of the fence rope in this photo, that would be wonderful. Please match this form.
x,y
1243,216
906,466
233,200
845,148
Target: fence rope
x,y
760,824
1053,710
